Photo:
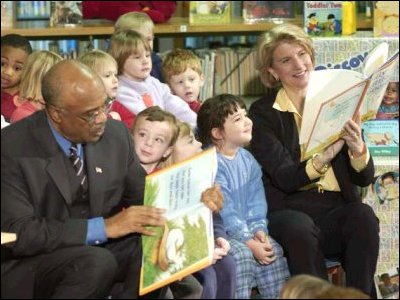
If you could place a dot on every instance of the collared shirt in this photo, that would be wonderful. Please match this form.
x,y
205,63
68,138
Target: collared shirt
x,y
327,181
96,231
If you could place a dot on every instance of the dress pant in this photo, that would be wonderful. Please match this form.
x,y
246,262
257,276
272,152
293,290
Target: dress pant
x,y
322,225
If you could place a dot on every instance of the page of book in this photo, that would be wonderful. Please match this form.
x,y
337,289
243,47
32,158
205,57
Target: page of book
x,y
186,243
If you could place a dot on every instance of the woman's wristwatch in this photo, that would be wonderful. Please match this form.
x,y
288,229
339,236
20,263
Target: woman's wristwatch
x,y
322,170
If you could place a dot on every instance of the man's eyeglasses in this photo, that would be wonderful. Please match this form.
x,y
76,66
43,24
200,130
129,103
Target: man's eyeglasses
x,y
91,116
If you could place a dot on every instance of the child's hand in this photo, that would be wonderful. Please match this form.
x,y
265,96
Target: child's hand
x,y
218,254
223,244
262,252
212,198
260,236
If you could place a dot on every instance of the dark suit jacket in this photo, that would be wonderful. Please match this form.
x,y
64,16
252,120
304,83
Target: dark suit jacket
x,y
275,145
36,196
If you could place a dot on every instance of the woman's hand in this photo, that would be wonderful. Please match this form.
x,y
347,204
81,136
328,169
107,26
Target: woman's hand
x,y
353,136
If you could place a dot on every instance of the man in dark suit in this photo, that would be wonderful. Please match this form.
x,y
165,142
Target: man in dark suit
x,y
74,239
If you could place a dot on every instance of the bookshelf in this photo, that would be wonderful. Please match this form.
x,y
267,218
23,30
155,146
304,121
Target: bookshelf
x,y
176,27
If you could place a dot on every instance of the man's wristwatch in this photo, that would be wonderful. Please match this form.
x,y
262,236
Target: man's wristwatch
x,y
324,167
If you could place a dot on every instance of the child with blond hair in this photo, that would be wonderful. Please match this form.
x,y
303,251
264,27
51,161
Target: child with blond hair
x,y
223,121
106,67
182,72
138,89
142,23
30,88
219,279
15,50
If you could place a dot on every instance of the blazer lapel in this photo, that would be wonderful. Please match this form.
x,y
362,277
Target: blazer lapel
x,y
96,172
56,163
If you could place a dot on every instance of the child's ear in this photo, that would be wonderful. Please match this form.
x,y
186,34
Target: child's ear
x,y
216,134
201,80
168,152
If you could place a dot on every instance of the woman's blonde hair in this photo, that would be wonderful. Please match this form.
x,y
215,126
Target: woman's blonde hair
x,y
303,287
270,40
96,59
178,61
37,65
184,131
124,43
134,21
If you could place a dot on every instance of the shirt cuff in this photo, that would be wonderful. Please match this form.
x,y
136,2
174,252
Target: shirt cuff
x,y
96,232
361,162
310,170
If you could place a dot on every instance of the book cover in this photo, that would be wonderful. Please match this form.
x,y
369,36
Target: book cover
x,y
209,12
259,11
386,209
186,243
389,108
382,137
334,96
387,284
66,13
323,18
7,14
386,18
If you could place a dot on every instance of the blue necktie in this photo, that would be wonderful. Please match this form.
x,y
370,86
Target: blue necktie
x,y
77,164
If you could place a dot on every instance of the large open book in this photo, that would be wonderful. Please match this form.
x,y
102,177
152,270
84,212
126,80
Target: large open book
x,y
186,244
335,96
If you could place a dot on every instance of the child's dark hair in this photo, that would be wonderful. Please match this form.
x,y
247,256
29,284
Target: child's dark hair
x,y
16,41
213,113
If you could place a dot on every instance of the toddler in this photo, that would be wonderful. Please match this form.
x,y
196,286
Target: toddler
x,y
138,89
14,53
223,121
182,72
30,88
106,67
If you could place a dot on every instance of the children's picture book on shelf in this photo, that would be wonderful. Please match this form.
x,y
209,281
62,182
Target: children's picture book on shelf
x,y
209,12
7,14
386,18
259,11
335,96
323,18
387,284
186,243
66,13
381,137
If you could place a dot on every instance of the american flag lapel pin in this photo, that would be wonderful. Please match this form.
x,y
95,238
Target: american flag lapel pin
x,y
99,170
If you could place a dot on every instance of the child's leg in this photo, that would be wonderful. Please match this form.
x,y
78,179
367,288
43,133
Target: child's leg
x,y
270,278
225,269
208,279
245,268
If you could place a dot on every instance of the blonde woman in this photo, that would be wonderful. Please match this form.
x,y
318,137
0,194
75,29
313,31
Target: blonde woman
x,y
30,90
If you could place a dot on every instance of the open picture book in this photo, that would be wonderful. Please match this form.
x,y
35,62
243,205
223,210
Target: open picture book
x,y
186,243
334,96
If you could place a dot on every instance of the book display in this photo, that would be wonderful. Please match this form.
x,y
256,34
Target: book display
x,y
259,11
386,18
7,14
209,12
382,137
323,18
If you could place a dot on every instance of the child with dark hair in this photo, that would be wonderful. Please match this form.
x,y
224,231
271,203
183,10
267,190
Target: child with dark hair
x,y
14,53
223,121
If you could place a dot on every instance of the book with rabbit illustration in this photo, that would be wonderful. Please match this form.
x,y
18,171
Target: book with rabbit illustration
x,y
186,243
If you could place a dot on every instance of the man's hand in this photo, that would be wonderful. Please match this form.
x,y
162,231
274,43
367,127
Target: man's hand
x,y
134,219
213,198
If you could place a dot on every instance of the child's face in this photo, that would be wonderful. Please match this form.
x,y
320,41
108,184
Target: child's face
x,y
108,73
138,65
152,141
237,129
186,147
187,85
12,64
391,94
148,35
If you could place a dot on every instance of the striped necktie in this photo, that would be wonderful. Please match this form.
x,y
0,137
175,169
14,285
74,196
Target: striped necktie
x,y
77,164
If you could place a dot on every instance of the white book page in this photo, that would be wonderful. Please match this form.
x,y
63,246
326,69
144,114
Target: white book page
x,y
323,86
375,59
